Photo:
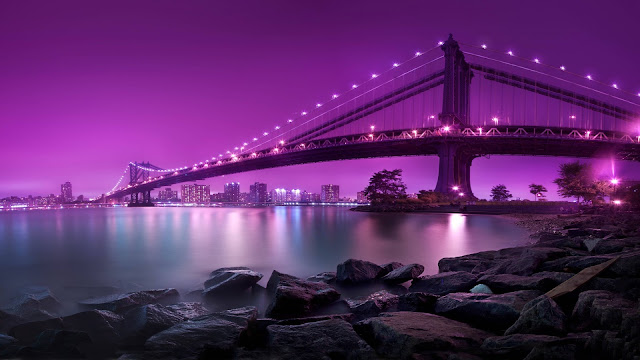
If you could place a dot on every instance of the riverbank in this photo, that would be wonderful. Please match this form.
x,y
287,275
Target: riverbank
x,y
573,294
486,208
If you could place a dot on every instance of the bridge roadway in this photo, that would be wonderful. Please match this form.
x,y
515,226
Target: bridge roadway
x,y
455,148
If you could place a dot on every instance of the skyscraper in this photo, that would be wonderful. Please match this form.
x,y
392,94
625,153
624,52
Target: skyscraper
x,y
278,196
329,193
232,192
65,192
195,194
167,195
258,193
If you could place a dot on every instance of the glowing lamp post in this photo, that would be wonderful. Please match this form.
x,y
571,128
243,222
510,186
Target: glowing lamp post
x,y
615,183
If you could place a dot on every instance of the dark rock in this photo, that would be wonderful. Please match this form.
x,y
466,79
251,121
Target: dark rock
x,y
299,321
389,267
374,304
553,352
328,277
577,232
626,287
7,321
417,302
6,340
240,315
515,346
294,297
228,281
403,274
528,262
189,310
355,271
125,302
62,343
102,326
540,316
628,265
598,309
217,334
484,311
35,303
573,264
444,283
328,339
142,322
544,282
27,332
473,263
402,335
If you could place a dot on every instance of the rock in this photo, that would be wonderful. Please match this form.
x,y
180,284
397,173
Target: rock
x,y
417,302
444,283
35,303
189,310
528,262
403,274
6,340
102,326
355,271
63,343
328,277
610,246
540,316
598,309
544,282
328,339
590,244
484,311
553,352
293,297
216,333
405,335
7,321
473,263
481,289
142,322
229,281
577,232
27,332
374,304
573,264
389,267
628,265
125,302
240,315
515,346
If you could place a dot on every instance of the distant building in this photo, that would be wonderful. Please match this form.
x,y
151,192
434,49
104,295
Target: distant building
x,y
258,193
195,194
308,197
329,193
362,198
295,195
218,197
65,193
244,198
232,192
278,196
168,195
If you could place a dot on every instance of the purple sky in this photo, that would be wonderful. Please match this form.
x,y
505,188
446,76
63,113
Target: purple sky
x,y
86,87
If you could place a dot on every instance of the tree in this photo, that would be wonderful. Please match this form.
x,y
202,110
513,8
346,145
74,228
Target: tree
x,y
537,190
500,193
432,197
576,180
386,186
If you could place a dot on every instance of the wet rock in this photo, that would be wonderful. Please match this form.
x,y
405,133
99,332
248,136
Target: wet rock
x,y
515,346
540,316
124,302
473,263
610,246
481,289
7,321
389,267
27,332
444,283
628,265
142,322
218,334
577,232
189,310
573,264
328,277
553,352
402,335
240,315
102,326
229,281
294,297
63,343
374,304
544,282
590,244
598,309
328,339
489,312
35,303
417,302
355,271
528,262
403,274
6,340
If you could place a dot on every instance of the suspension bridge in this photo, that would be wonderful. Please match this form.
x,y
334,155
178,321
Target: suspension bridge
x,y
454,101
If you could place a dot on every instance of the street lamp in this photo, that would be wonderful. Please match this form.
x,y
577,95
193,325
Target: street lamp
x,y
456,188
615,183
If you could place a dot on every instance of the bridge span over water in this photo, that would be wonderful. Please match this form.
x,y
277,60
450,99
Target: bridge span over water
x,y
450,102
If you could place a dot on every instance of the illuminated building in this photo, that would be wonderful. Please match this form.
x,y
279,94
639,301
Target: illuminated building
x,y
329,193
195,194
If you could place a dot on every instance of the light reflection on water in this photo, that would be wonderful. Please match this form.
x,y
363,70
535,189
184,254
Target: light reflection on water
x,y
178,247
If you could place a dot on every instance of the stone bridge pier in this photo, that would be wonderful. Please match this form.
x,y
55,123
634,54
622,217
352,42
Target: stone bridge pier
x,y
454,170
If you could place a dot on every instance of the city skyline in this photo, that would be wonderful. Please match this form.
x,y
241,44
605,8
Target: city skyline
x,y
124,95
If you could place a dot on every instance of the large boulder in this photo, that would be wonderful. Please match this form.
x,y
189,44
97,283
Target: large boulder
x,y
478,262
528,262
540,316
123,302
328,339
628,265
144,321
444,283
573,264
389,267
26,333
62,344
515,346
374,304
102,326
599,309
189,310
403,274
502,283
484,311
355,271
6,340
7,321
401,335
34,303
328,277
217,333
230,281
294,297
417,302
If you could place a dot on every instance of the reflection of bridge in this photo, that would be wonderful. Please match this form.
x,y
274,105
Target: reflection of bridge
x,y
518,107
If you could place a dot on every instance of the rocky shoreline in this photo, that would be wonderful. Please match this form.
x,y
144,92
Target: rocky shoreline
x,y
573,294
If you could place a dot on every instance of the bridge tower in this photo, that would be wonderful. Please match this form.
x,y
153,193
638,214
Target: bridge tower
x,y
454,158
137,174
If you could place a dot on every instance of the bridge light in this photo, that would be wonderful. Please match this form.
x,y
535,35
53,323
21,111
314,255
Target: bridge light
x,y
275,150
255,139
480,130
265,133
589,77
396,64
318,105
455,188
228,152
334,96
510,53
639,94
614,181
373,127
615,86
289,121
446,128
254,154
418,53
536,60
588,133
415,132
354,86
573,117
484,46
219,162
495,119
617,202
304,113
371,136
245,144
175,173
277,127
373,76
236,148
302,146
281,142
440,43
461,194
432,117
563,68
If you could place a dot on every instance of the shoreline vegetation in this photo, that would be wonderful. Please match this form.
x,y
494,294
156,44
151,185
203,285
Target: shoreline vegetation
x,y
571,294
